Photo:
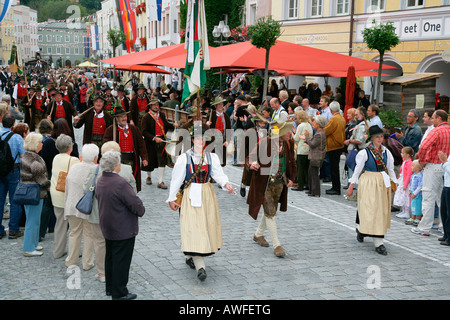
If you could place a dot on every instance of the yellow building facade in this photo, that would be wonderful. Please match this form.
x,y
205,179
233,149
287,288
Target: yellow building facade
x,y
7,37
423,27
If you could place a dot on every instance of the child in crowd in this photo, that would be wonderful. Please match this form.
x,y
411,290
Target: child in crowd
x,y
401,197
415,192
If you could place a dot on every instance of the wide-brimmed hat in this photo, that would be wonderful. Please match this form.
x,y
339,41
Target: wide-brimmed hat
x,y
154,100
118,111
218,100
373,131
121,88
141,86
259,117
99,96
280,128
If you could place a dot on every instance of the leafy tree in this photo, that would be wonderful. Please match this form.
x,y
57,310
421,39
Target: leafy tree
x,y
264,35
380,37
115,39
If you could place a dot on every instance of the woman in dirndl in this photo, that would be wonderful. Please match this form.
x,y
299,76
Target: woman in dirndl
x,y
373,173
200,224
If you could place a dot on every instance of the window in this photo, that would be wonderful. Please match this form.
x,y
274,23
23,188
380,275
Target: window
x,y
342,7
414,3
76,38
291,9
41,38
375,6
175,26
252,14
67,50
58,50
76,51
49,38
316,8
49,50
67,38
58,38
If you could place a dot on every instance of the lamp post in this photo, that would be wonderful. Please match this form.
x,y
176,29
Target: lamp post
x,y
219,32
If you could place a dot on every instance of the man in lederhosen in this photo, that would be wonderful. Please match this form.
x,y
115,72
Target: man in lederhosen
x,y
154,129
60,108
20,92
139,106
95,121
132,145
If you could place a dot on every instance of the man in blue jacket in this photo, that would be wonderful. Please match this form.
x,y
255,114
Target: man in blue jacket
x,y
412,135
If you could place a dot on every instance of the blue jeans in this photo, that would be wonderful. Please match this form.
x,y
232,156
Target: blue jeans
x,y
31,235
8,186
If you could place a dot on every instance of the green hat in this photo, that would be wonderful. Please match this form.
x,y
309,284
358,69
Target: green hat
x,y
118,111
218,100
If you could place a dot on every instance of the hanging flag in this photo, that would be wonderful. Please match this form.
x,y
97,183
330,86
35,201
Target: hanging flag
x,y
159,8
94,37
6,6
14,60
196,43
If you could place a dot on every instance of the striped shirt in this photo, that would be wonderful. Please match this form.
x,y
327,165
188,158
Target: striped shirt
x,y
437,140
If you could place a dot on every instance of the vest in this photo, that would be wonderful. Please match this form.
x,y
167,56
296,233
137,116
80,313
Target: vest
x,y
371,164
190,167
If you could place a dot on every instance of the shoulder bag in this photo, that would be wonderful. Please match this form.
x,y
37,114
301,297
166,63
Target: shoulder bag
x,y
61,182
27,194
84,205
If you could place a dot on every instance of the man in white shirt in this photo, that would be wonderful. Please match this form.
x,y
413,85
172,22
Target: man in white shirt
x,y
307,107
372,113
427,121
278,111
324,107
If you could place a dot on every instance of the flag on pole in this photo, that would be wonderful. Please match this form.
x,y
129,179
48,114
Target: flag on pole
x,y
14,60
196,44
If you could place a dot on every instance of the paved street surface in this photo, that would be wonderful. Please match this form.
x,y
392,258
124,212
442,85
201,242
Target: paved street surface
x,y
323,259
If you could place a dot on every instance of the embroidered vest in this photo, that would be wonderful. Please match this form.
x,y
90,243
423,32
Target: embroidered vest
x,y
190,169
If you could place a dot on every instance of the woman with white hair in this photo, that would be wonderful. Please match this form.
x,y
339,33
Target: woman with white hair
x,y
119,208
78,222
61,162
33,171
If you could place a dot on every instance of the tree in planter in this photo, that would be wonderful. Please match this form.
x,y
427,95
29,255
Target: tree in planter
x,y
380,37
115,39
264,34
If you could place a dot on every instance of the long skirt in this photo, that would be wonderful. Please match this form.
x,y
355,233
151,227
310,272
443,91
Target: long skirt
x,y
374,204
201,228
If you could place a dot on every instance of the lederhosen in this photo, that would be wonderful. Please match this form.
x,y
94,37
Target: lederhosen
x,y
275,184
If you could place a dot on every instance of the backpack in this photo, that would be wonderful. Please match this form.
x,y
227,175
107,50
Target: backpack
x,y
6,158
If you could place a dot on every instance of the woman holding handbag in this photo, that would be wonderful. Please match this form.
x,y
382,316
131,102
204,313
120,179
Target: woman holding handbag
x,y
60,168
33,171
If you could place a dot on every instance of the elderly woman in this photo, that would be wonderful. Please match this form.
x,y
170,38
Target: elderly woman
x,y
317,150
78,222
61,163
373,172
119,208
97,236
21,129
301,117
33,170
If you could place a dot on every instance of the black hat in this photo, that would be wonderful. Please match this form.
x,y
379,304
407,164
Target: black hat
x,y
121,88
118,111
99,96
373,131
241,97
141,86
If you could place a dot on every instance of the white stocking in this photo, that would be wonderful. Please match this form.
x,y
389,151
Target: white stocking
x,y
161,174
262,227
272,227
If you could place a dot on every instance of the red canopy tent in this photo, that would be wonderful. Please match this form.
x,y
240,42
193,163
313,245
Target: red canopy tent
x,y
140,68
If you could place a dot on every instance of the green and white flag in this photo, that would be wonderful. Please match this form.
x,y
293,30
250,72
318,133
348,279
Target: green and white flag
x,y
14,60
196,44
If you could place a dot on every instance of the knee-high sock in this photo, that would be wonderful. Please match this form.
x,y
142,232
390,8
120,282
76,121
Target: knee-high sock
x,y
160,174
272,227
199,262
262,227
378,241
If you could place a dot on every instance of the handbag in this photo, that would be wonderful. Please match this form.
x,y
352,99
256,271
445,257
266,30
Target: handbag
x,y
61,182
187,183
317,162
27,194
84,205
350,161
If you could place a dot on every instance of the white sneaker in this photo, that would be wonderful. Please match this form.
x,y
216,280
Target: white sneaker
x,y
100,277
39,248
402,215
33,253
416,230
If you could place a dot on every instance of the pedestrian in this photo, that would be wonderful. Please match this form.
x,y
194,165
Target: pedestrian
x,y
373,172
402,195
33,171
335,133
119,208
415,193
372,113
445,199
412,134
302,161
437,140
200,222
61,163
21,129
9,180
316,155
79,227
273,162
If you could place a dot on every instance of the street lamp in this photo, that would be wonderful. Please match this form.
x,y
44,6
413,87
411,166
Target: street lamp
x,y
219,32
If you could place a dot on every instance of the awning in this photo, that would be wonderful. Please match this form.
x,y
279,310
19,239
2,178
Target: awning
x,y
140,68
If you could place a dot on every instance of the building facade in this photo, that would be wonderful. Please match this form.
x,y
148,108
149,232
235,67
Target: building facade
x,y
7,38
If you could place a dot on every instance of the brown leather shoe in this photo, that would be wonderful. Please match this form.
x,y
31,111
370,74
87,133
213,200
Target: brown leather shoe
x,y
279,252
148,180
261,241
162,185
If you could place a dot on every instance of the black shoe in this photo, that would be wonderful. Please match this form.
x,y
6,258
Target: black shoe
x,y
297,189
15,235
313,195
201,275
242,192
326,179
359,236
393,209
333,192
190,263
129,296
381,250
2,234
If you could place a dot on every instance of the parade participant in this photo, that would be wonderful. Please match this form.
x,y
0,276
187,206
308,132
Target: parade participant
x,y
132,144
67,92
200,224
122,98
220,121
274,166
37,107
373,173
109,98
139,106
95,121
60,108
154,129
20,91
27,106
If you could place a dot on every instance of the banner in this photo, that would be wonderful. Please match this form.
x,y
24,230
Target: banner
x,y
6,6
94,37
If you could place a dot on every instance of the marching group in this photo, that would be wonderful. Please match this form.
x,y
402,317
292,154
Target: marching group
x,y
126,132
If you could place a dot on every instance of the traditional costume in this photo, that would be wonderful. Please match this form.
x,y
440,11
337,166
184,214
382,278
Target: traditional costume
x,y
139,106
61,109
276,166
34,108
220,121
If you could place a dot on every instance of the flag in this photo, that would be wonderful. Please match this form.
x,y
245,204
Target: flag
x,y
159,8
6,6
14,60
94,37
196,43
